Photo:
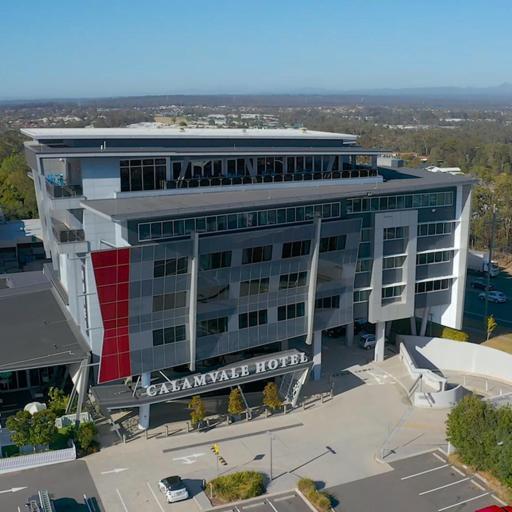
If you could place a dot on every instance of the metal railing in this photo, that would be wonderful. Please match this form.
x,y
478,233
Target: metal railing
x,y
57,191
219,181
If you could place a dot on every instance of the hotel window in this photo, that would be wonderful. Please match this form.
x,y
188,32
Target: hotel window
x,y
293,280
392,292
433,286
295,249
254,286
328,302
169,301
394,233
215,260
393,262
170,267
168,335
252,319
363,266
434,228
333,243
290,311
361,296
256,254
144,174
433,257
213,326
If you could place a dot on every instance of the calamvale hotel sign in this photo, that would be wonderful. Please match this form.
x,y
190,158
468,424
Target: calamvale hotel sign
x,y
254,367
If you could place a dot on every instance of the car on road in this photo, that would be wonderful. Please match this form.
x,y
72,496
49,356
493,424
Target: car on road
x,y
494,296
495,508
481,284
173,488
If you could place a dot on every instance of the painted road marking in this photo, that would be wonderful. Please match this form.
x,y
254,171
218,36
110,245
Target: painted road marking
x,y
189,459
13,489
116,470
284,498
438,457
122,501
253,505
424,472
154,496
457,470
500,501
443,486
273,508
481,487
464,501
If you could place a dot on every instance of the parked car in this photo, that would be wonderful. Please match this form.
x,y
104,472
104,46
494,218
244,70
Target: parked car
x,y
368,341
495,508
481,284
173,488
494,296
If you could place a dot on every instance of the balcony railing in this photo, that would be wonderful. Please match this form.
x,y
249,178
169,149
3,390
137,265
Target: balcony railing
x,y
64,235
61,191
269,178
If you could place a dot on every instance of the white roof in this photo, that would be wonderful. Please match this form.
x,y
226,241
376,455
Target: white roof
x,y
166,133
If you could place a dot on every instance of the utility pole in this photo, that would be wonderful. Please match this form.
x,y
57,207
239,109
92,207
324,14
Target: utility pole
x,y
270,452
489,263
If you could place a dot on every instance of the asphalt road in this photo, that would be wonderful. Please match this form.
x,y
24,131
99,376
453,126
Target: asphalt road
x,y
474,307
66,484
285,502
423,483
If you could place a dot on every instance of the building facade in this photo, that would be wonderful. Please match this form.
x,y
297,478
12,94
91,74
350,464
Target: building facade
x,y
175,247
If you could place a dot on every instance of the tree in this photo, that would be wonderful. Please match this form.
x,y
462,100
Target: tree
x,y
271,398
85,435
491,325
43,428
197,410
58,401
236,404
19,426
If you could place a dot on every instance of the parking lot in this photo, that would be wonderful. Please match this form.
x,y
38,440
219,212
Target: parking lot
x,y
285,502
68,484
424,483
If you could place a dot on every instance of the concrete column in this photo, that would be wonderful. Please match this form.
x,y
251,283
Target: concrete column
x,y
424,320
380,336
145,381
285,345
317,355
388,327
413,325
313,272
192,305
349,334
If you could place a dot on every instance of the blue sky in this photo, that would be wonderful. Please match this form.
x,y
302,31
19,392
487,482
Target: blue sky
x,y
83,48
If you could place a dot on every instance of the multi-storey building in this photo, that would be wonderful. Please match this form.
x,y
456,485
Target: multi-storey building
x,y
173,247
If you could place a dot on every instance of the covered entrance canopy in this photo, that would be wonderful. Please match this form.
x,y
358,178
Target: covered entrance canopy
x,y
293,365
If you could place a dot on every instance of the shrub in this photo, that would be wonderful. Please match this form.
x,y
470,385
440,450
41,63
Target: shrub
x,y
235,403
36,429
19,426
320,500
85,436
237,486
58,401
271,398
197,410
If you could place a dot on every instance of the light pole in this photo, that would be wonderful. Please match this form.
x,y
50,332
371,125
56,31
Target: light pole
x,y
270,452
489,263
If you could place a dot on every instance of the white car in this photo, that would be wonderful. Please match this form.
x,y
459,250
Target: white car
x,y
494,296
173,488
368,341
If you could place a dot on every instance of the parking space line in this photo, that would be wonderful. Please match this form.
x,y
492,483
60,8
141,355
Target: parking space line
x,y
481,487
273,508
424,472
464,501
122,501
444,486
284,498
500,501
438,457
457,470
154,496
252,505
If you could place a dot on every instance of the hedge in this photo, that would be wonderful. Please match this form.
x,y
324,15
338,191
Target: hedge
x,y
320,500
237,486
482,436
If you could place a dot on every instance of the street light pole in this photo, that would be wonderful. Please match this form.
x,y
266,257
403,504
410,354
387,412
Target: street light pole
x,y
491,244
270,452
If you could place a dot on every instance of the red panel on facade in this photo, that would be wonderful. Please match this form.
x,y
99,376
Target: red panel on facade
x,y
112,273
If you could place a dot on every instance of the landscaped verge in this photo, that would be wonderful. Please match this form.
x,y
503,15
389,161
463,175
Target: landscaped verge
x,y
319,499
236,486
